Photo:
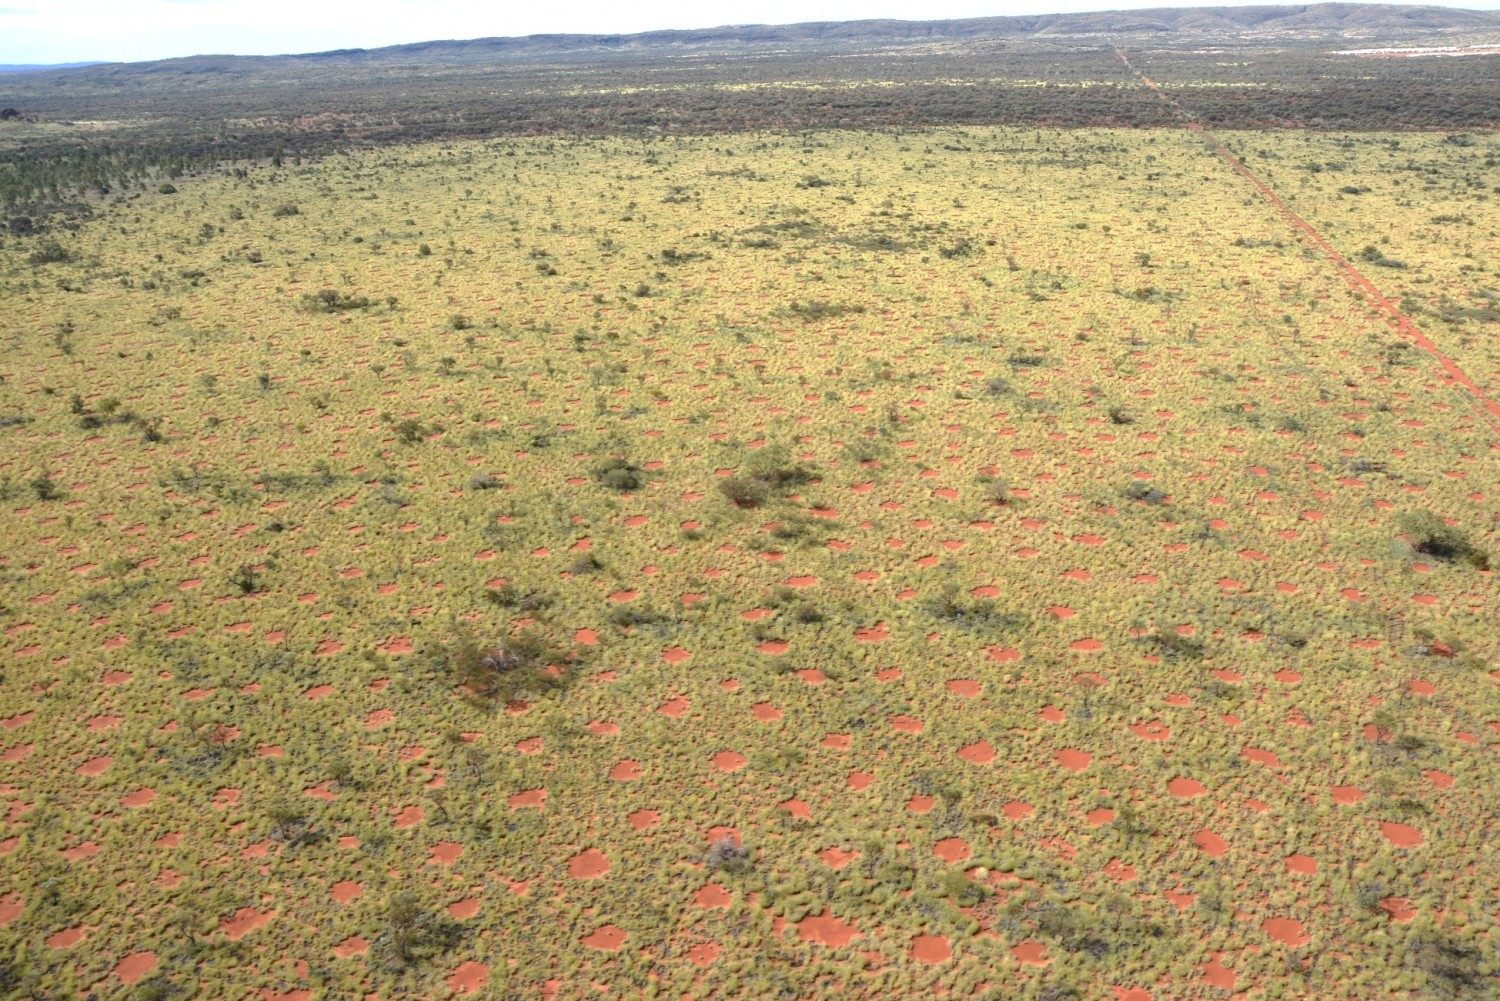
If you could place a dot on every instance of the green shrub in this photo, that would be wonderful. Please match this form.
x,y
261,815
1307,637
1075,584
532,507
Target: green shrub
x,y
503,671
620,475
727,855
812,311
744,491
412,934
50,252
333,301
1431,536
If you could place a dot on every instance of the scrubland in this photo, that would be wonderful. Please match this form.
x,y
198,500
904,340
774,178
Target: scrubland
x,y
979,561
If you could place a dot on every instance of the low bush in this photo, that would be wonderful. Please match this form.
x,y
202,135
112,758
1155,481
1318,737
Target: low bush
x,y
1430,535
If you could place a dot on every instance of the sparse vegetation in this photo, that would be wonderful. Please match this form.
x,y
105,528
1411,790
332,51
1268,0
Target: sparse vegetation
x,y
1020,561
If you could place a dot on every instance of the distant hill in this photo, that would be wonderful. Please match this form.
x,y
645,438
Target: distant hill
x,y
38,67
1245,23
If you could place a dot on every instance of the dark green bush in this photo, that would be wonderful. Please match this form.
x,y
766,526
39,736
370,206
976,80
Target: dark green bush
x,y
1431,536
621,475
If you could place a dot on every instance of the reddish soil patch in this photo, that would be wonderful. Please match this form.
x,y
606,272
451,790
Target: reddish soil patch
x,y
530,799
1185,788
729,761
139,798
242,922
1151,730
1304,865
1400,835
705,954
135,966
930,949
11,906
979,753
826,929
468,978
1399,908
445,853
67,938
1440,779
1286,931
765,712
345,891
1073,759
1212,845
952,850
1031,953
396,646
95,766
606,938
588,864
1216,974
643,819
1346,795
837,858
713,896
351,947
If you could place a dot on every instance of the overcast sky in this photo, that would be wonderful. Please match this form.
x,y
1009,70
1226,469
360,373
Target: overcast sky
x,y
53,31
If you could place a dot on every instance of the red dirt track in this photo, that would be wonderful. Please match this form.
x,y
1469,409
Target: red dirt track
x,y
1352,275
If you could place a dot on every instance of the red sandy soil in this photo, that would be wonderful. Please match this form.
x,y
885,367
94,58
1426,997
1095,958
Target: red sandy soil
x,y
445,852
826,929
1186,788
1213,846
606,938
931,949
351,947
244,921
979,753
704,955
1400,834
1286,931
1031,953
468,978
588,864
11,906
1073,759
729,761
135,966
346,891
712,896
1301,864
952,850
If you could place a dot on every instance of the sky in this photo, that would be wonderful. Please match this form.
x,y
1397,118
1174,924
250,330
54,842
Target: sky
x,y
55,31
